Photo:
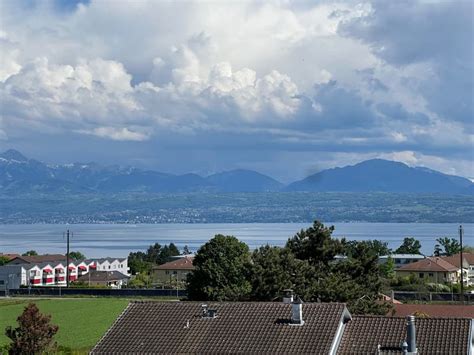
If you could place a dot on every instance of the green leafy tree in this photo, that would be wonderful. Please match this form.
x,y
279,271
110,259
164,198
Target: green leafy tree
x,y
186,250
450,245
153,253
316,245
468,249
3,260
438,251
166,253
374,247
222,271
34,334
138,264
142,280
388,269
76,255
409,246
274,269
30,253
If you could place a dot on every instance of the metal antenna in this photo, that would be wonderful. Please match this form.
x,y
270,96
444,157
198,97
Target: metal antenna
x,y
461,257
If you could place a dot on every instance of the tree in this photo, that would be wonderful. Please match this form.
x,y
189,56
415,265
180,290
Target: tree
x,y
166,253
34,334
3,260
374,247
186,250
153,253
437,250
468,249
137,263
270,274
451,245
76,255
409,246
30,253
222,271
142,280
316,245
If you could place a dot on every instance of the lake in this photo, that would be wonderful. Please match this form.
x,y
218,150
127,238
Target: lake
x,y
117,240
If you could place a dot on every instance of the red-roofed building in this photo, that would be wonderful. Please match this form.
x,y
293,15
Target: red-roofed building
x,y
433,310
431,269
174,271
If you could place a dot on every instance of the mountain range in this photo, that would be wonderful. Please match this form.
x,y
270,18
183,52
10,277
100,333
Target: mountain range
x,y
19,175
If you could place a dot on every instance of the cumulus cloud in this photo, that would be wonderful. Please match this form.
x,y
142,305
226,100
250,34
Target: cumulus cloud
x,y
338,79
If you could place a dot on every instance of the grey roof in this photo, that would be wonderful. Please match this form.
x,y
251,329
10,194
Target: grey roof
x,y
240,327
364,334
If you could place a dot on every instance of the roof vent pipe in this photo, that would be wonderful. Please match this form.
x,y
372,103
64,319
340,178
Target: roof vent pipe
x,y
288,296
411,335
297,312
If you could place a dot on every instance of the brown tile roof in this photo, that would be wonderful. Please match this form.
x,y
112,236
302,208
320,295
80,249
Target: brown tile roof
x,y
431,263
38,259
363,334
455,259
161,327
185,263
9,256
435,310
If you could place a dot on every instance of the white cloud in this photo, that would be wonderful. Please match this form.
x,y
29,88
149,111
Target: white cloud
x,y
117,134
315,73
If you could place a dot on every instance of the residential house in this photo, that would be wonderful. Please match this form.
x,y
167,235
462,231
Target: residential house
x,y
277,328
110,264
431,269
401,259
173,272
50,270
467,266
113,279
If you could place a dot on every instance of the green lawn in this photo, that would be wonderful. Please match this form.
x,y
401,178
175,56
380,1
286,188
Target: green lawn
x,y
81,321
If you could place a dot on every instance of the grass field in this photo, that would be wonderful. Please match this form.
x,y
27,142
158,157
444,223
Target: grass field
x,y
81,321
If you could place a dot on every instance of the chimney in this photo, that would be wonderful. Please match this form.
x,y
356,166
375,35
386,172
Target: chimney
x,y
297,312
288,296
411,335
204,310
208,313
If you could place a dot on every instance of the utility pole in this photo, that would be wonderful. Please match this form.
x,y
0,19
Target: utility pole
x,y
461,257
67,259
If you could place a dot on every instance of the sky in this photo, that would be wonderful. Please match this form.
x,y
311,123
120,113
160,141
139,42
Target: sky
x,y
287,88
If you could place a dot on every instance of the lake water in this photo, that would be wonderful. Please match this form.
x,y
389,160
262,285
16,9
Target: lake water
x,y
117,240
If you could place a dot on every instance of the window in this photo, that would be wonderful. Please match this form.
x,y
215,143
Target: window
x,y
2,282
175,272
109,267
397,261
167,272
431,274
421,275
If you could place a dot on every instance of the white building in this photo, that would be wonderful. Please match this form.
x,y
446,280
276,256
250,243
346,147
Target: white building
x,y
110,264
401,259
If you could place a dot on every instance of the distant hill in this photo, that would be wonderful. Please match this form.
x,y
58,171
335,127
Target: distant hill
x,y
18,175
244,181
379,175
